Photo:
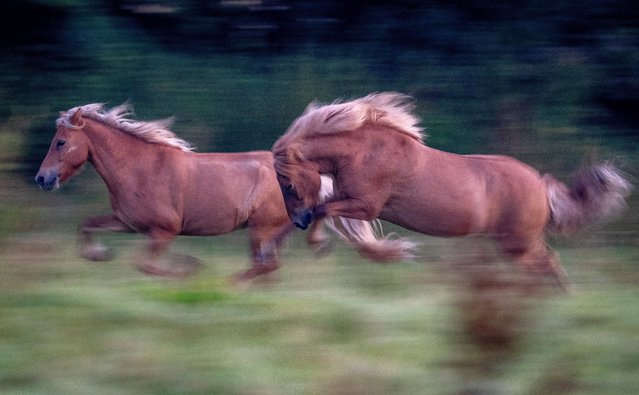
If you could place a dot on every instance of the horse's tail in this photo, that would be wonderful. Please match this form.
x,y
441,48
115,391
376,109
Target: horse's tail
x,y
366,236
597,193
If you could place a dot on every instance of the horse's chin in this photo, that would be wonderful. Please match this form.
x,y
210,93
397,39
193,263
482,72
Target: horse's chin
x,y
53,187
50,186
303,219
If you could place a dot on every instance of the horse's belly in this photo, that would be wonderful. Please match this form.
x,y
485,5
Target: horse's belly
x,y
206,231
440,222
210,224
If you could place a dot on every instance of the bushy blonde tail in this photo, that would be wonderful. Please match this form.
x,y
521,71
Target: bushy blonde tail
x,y
366,236
596,194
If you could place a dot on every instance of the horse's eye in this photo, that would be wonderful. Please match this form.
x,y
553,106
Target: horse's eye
x,y
60,144
288,189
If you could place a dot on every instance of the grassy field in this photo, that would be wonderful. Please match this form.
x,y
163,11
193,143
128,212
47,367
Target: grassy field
x,y
336,324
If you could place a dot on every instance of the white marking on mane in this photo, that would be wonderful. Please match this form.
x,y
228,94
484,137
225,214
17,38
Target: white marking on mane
x,y
151,131
390,109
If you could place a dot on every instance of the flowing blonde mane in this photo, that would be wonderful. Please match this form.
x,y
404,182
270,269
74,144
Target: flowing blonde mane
x,y
151,131
390,109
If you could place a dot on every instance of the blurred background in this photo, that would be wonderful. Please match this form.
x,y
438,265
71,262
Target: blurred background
x,y
552,83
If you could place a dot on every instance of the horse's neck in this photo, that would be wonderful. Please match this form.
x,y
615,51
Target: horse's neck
x,y
325,161
114,153
338,150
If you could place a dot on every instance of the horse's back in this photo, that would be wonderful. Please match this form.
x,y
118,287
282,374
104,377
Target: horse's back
x,y
241,168
224,190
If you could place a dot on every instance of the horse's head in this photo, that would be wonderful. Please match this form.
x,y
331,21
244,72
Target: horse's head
x,y
300,182
69,150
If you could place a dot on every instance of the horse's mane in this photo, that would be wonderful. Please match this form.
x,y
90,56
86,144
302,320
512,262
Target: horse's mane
x,y
390,109
151,131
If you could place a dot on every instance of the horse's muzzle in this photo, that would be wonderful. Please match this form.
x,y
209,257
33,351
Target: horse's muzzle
x,y
303,219
47,181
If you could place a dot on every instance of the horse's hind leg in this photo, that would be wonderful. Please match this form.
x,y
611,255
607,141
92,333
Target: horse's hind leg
x,y
91,249
536,258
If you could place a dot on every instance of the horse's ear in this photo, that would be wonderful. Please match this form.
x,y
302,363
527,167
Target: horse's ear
x,y
76,117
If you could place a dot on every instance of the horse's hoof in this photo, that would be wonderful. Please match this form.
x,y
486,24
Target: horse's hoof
x,y
97,253
159,271
322,247
187,264
255,275
152,270
179,266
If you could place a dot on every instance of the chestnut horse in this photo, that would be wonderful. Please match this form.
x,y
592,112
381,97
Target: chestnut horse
x,y
160,188
373,148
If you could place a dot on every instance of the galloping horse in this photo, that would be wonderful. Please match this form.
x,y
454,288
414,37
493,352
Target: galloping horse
x,y
160,188
373,148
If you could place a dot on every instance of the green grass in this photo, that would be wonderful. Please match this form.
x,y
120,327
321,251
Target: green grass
x,y
335,325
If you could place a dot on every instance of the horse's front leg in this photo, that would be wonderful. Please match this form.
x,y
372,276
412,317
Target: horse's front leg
x,y
91,249
317,237
151,261
263,256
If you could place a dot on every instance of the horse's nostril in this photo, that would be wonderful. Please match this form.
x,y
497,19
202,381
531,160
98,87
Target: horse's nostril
x,y
308,217
39,180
